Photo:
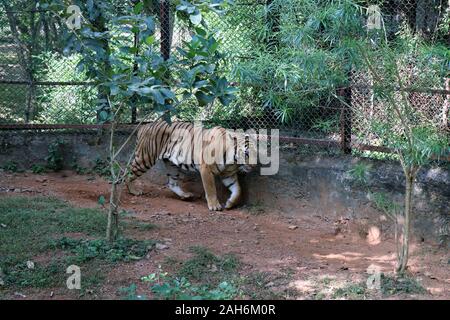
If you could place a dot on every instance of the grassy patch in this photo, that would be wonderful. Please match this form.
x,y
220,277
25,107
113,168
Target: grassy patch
x,y
204,266
258,286
86,250
31,223
164,286
390,285
204,276
36,249
400,285
354,291
11,166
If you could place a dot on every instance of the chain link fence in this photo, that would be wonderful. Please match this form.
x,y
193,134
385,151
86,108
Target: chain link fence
x,y
41,85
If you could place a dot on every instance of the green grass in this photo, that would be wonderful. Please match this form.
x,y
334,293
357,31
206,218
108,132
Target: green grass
x,y
203,276
256,286
10,166
121,250
35,229
400,285
389,286
204,266
354,291
32,222
206,275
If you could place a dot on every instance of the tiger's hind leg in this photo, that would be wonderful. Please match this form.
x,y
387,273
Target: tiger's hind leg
x,y
138,168
173,175
232,184
129,182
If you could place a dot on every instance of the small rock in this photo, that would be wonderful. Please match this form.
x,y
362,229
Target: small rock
x,y
241,241
3,225
161,246
270,284
30,264
256,242
17,190
41,180
292,227
52,294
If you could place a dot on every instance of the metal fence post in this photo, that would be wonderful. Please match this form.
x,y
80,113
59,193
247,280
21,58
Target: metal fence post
x,y
164,15
346,118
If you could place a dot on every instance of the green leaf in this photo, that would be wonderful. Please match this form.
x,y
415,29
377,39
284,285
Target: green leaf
x,y
149,40
101,200
226,99
196,18
103,115
138,8
203,98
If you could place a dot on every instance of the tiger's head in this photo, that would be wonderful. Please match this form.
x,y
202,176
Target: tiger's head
x,y
246,152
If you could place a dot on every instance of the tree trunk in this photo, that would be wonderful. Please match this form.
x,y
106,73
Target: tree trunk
x,y
404,248
112,229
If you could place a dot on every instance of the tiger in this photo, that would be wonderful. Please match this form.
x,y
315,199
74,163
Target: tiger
x,y
177,144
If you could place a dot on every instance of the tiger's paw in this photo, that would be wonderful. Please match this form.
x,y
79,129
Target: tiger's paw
x,y
229,205
214,205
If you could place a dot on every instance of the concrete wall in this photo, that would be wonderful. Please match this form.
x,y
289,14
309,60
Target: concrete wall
x,y
324,184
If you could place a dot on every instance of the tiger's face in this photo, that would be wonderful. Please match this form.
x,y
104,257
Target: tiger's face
x,y
246,152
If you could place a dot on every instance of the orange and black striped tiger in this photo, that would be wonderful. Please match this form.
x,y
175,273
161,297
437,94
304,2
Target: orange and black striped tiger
x,y
181,145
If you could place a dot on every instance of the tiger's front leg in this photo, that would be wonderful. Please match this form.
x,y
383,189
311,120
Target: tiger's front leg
x,y
209,185
233,186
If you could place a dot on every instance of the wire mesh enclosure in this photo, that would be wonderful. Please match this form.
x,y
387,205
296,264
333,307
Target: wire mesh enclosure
x,y
41,84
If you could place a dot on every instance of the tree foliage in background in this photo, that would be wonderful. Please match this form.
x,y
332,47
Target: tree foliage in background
x,y
32,32
313,52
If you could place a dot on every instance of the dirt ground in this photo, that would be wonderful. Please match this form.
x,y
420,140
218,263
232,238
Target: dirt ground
x,y
303,253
